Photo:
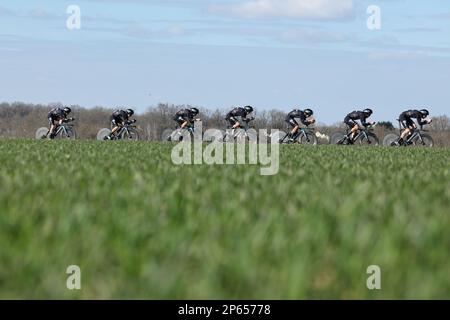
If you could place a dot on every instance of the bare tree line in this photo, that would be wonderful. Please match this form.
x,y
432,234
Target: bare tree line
x,y
20,120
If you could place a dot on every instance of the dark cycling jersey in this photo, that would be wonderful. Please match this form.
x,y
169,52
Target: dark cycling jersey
x,y
184,115
234,115
407,118
119,117
352,118
56,114
296,114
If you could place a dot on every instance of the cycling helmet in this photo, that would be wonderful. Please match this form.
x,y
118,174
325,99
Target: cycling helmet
x,y
425,113
130,112
308,112
67,110
368,112
248,109
195,111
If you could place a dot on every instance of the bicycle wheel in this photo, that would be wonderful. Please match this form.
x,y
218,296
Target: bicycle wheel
x,y
71,134
426,141
338,138
61,134
371,140
241,136
41,133
280,137
228,137
103,133
307,138
131,135
390,139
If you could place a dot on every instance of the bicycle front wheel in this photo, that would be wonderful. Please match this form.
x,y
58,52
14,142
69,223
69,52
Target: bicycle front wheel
x,y
71,134
370,140
308,138
424,141
130,135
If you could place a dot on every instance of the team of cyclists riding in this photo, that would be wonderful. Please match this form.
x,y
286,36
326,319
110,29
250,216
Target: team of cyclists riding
x,y
239,118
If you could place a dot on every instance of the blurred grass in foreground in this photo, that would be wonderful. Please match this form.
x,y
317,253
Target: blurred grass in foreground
x,y
141,227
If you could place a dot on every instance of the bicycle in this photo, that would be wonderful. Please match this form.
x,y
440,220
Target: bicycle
x,y
364,136
242,134
417,138
303,136
127,132
180,134
65,130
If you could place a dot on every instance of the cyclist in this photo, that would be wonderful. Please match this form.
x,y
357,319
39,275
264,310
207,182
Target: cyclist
x,y
406,120
120,118
56,117
238,115
185,117
351,120
298,114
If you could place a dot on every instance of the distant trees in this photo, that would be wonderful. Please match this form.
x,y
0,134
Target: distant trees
x,y
441,123
21,120
387,125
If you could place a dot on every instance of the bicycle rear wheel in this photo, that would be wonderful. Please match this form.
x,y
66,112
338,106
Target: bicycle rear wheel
x,y
390,139
103,133
41,133
338,138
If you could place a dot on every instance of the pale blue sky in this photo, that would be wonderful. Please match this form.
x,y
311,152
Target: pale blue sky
x,y
268,53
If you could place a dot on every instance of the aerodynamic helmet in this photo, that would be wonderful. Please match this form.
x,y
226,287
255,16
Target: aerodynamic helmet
x,y
248,109
130,112
368,112
195,111
67,110
308,112
425,113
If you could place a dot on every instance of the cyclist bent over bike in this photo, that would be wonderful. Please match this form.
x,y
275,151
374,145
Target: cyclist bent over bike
x,y
298,114
238,115
185,117
57,117
351,120
406,120
120,118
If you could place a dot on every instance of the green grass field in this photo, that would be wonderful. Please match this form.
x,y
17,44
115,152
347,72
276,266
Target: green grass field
x,y
141,227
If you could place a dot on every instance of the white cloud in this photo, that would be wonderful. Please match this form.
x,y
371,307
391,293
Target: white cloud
x,y
292,9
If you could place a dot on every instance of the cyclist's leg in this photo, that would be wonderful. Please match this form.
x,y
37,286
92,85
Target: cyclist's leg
x,y
409,127
354,131
52,125
235,124
115,126
183,123
294,129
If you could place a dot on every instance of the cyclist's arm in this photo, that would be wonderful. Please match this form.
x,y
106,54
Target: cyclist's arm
x,y
364,122
304,120
422,122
